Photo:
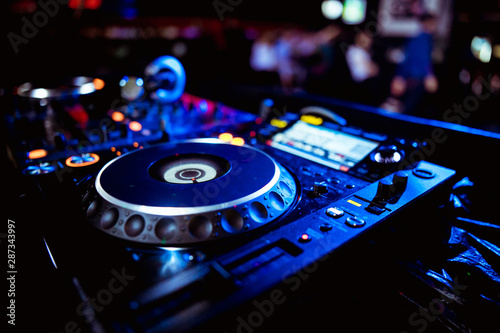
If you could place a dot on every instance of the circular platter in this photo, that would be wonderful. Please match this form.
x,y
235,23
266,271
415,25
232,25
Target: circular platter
x,y
186,193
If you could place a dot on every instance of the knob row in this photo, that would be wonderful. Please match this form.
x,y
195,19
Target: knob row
x,y
192,228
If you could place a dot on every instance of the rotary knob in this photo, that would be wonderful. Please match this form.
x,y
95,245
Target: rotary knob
x,y
400,180
387,155
318,189
385,190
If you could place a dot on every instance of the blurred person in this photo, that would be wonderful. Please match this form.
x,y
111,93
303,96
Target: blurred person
x,y
263,55
264,58
359,58
321,61
314,57
415,75
291,47
301,53
285,64
364,70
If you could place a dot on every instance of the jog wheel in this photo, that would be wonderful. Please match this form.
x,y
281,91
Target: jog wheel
x,y
187,193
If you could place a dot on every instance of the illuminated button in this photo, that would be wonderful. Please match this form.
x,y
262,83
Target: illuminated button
x,y
278,123
98,84
135,126
344,168
226,137
334,212
313,120
238,141
77,161
355,203
355,222
37,153
117,116
305,238
41,169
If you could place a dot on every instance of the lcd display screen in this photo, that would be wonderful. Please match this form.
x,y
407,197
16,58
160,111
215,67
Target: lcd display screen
x,y
327,146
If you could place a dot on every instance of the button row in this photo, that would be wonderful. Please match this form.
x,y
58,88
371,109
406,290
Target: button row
x,y
334,212
351,221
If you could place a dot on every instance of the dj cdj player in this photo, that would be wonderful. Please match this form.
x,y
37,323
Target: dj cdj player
x,y
162,234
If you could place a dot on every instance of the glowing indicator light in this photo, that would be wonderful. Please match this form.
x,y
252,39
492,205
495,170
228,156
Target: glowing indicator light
x,y
136,144
268,102
118,153
278,123
78,161
332,9
344,168
203,105
354,11
226,137
37,153
40,93
135,126
98,84
238,141
334,212
304,238
117,116
123,81
162,93
352,202
113,149
481,49
139,82
313,120
258,121
253,134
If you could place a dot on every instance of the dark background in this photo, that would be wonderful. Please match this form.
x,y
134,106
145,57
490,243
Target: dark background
x,y
74,43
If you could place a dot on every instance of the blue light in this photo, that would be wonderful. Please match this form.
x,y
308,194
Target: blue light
x,y
123,81
268,102
203,106
50,254
139,82
161,93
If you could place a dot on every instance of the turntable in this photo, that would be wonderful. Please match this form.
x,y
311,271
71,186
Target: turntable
x,y
205,226
202,225
187,193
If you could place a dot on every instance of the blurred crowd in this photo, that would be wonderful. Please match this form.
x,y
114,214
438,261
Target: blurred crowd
x,y
339,62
